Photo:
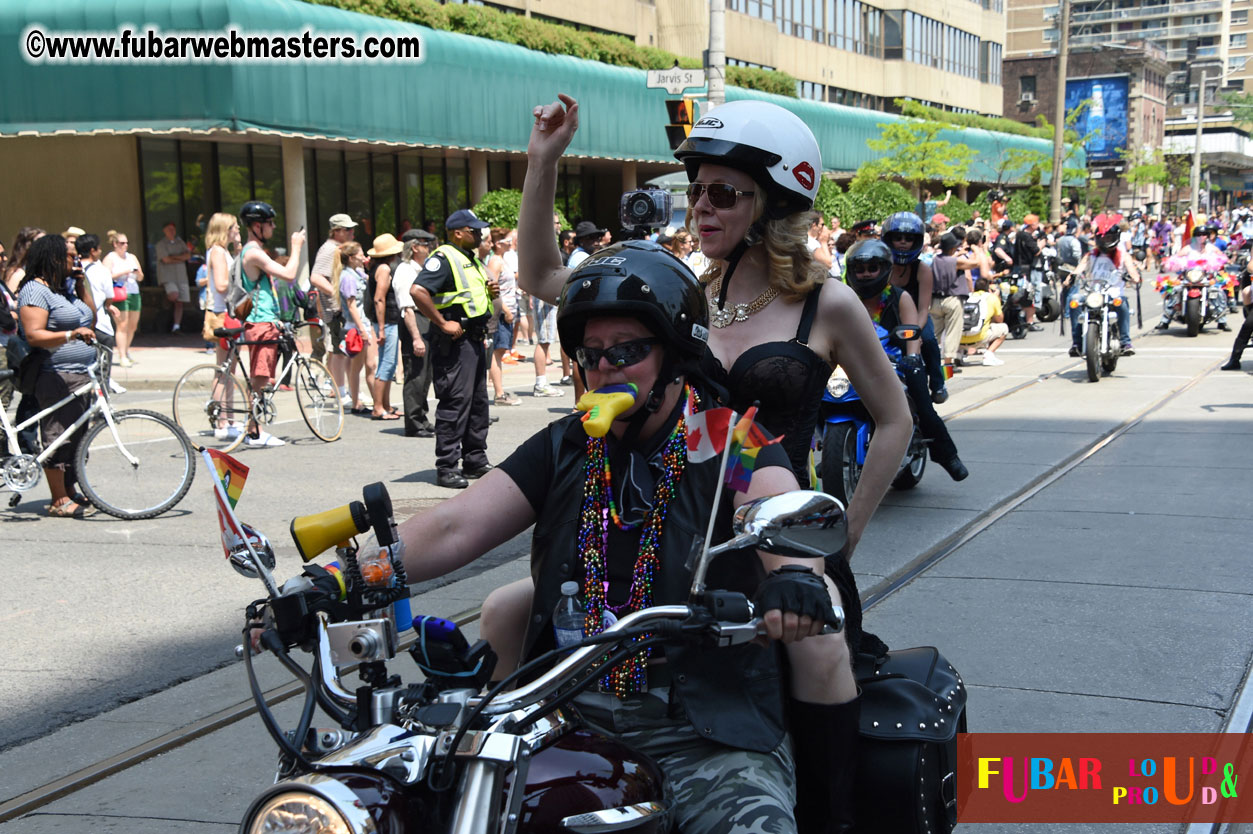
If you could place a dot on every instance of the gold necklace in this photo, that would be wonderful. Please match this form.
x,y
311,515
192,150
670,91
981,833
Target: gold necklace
x,y
719,317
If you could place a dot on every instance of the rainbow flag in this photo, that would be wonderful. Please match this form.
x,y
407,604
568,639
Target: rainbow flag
x,y
948,370
231,473
1188,223
747,439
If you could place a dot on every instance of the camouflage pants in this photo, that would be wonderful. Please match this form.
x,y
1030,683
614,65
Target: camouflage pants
x,y
717,789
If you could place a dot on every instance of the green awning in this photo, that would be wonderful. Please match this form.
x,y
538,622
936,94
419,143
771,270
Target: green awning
x,y
468,93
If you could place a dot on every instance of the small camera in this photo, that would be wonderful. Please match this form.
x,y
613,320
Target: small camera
x,y
647,208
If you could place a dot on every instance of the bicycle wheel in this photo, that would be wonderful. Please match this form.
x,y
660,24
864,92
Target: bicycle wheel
x,y
163,465
318,399
206,400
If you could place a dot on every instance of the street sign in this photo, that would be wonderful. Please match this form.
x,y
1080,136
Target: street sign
x,y
675,80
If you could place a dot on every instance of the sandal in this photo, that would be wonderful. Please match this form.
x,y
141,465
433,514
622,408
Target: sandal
x,y
360,409
63,510
391,415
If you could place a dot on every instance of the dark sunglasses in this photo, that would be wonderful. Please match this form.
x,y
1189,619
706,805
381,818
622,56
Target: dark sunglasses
x,y
893,237
720,194
621,355
864,267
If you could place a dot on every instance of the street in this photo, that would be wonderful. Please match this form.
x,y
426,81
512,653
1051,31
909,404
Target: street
x,y
1111,593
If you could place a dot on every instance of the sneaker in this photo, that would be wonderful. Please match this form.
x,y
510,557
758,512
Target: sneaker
x,y
508,359
175,328
1034,328
566,380
507,398
545,391
1127,350
990,358
346,401
1162,325
115,388
1222,325
126,363
226,433
264,440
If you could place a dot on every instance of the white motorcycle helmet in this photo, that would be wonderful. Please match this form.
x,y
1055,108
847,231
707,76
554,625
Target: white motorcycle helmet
x,y
769,143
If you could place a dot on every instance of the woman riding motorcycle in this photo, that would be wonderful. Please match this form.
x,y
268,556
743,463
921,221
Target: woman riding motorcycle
x,y
754,170
905,236
1110,262
868,266
619,515
1198,249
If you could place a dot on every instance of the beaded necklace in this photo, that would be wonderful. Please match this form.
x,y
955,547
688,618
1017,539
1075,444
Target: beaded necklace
x,y
598,509
882,302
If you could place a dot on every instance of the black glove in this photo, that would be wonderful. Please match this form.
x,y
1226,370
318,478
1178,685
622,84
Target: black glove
x,y
913,361
797,589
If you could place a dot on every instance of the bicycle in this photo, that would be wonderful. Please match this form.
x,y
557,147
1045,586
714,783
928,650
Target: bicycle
x,y
212,404
131,464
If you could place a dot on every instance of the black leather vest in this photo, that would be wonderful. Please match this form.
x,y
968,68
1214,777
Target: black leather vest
x,y
732,695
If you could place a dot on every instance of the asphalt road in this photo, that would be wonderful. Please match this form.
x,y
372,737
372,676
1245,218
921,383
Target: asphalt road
x,y
1116,599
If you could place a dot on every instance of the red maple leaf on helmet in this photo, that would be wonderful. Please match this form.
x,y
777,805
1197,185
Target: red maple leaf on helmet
x,y
1105,222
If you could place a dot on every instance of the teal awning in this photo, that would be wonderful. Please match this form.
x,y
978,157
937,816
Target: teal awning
x,y
468,92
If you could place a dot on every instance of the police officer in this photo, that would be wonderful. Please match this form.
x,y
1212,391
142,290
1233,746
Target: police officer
x,y
452,291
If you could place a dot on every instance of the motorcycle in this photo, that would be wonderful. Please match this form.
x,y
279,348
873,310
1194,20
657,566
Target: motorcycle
x,y
1197,297
1016,294
1099,319
847,430
449,753
1048,303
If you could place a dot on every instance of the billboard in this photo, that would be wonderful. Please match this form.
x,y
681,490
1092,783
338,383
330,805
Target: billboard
x,y
1107,115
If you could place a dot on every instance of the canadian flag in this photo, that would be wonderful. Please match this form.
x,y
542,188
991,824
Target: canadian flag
x,y
707,433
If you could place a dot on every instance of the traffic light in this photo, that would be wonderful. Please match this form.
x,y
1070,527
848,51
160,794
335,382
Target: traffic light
x,y
682,114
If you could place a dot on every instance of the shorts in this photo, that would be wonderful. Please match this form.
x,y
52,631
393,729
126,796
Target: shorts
x,y
179,289
544,322
50,388
212,321
997,330
389,336
262,359
337,333
132,304
503,340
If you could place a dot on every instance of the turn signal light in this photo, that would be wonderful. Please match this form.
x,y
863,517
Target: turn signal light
x,y
1117,302
1074,304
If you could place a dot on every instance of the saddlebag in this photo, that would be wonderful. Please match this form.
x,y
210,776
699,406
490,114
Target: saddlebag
x,y
913,705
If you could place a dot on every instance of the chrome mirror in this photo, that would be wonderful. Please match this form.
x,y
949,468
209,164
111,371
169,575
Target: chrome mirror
x,y
804,524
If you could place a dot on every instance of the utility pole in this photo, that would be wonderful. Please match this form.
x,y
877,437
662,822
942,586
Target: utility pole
x,y
1059,116
716,69
1195,182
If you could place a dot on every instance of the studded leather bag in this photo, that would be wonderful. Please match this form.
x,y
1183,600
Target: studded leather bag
x,y
913,706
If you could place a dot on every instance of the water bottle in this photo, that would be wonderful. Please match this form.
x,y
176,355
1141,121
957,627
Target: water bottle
x,y
568,616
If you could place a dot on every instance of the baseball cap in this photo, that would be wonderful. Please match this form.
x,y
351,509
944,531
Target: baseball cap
x,y
586,228
73,231
342,221
1007,224
463,219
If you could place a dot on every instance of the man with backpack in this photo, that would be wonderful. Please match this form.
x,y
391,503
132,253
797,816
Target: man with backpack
x,y
253,299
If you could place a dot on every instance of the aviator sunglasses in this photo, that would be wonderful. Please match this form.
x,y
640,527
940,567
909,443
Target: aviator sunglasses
x,y
721,195
621,355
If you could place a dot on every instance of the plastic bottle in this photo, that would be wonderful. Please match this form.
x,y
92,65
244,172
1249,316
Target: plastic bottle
x,y
1096,120
568,616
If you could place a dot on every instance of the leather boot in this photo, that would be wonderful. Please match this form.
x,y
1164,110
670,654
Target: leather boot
x,y
824,740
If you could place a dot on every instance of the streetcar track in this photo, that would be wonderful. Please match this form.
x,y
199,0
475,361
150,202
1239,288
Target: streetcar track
x,y
45,794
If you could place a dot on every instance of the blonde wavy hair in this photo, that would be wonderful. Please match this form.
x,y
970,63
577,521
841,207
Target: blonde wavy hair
x,y
340,257
219,231
792,269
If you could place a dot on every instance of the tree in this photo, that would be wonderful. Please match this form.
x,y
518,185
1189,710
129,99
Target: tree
x,y
912,151
500,208
1241,105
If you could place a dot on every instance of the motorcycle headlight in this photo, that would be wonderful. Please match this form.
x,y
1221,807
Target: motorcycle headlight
x,y
838,385
299,813
1094,301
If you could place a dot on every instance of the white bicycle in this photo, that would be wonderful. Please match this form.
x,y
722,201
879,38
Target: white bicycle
x,y
131,464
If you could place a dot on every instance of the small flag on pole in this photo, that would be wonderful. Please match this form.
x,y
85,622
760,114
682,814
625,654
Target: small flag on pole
x,y
746,441
707,433
231,473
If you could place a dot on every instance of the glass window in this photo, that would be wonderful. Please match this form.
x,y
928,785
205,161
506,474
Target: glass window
x,y
892,46
1239,41
410,207
435,209
385,194
331,200
162,198
359,197
267,175
458,184
497,174
235,175
200,197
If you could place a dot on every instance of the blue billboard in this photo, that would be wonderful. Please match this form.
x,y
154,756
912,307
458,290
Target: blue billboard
x,y
1106,115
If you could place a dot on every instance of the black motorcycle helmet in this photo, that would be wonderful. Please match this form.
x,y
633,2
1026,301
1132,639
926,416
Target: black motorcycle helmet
x,y
256,211
904,225
872,253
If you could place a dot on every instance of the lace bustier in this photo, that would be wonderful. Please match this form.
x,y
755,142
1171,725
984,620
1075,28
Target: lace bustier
x,y
786,380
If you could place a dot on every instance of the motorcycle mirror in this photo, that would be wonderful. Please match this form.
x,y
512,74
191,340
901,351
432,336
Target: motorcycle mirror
x,y
241,560
802,523
905,332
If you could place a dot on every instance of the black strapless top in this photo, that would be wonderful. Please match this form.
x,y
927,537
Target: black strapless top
x,y
786,380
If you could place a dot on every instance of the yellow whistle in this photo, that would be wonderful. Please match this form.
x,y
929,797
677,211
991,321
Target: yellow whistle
x,y
604,405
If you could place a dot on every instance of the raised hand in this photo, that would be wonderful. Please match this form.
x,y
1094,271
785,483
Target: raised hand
x,y
554,128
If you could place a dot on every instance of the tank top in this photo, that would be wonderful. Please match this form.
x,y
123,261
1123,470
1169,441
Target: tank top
x,y
391,311
217,300
786,380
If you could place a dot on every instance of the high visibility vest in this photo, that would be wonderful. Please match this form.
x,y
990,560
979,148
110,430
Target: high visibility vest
x,y
470,292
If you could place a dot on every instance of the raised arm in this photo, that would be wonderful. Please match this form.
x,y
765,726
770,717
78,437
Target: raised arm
x,y
540,272
259,261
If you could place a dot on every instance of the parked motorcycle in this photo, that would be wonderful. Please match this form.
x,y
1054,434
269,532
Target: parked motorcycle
x,y
1101,338
1016,293
847,430
1048,298
448,754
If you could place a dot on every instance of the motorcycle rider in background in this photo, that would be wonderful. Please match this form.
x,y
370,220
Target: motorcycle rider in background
x,y
905,236
620,515
1110,262
1200,246
868,264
